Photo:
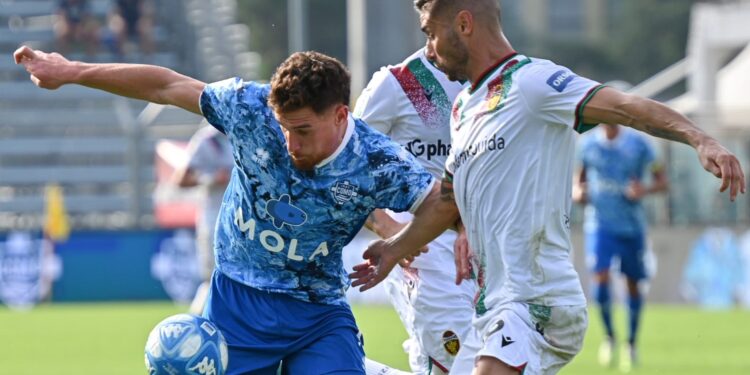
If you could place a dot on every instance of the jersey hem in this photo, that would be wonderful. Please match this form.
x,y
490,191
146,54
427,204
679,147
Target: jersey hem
x,y
579,126
335,301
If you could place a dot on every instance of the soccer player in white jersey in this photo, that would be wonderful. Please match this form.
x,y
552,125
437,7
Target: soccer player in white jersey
x,y
510,173
411,103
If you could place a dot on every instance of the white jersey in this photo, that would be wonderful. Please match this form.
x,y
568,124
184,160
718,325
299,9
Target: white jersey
x,y
411,103
511,165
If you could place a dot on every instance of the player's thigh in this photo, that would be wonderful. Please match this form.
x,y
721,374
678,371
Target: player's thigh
x,y
523,342
562,338
493,366
246,363
337,352
601,247
443,314
632,262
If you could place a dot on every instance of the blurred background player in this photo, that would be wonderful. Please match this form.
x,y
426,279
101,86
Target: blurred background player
x,y
75,23
411,103
209,167
132,20
614,163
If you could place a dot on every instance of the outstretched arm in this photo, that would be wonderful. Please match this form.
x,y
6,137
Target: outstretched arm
x,y
614,107
437,213
146,82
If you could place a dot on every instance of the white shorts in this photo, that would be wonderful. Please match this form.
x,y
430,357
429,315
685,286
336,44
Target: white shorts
x,y
534,339
436,313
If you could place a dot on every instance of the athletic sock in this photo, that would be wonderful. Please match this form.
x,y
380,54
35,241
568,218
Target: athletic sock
x,y
605,307
635,304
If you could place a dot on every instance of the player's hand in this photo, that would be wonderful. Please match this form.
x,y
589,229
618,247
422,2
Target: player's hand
x,y
48,70
635,191
722,164
463,256
379,261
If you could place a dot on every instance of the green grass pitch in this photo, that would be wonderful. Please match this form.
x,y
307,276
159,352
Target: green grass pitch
x,y
109,339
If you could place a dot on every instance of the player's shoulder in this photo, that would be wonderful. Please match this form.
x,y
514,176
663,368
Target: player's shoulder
x,y
373,142
236,89
545,73
369,137
417,55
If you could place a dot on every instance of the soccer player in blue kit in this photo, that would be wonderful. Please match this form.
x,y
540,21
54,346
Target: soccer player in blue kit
x,y
306,176
614,161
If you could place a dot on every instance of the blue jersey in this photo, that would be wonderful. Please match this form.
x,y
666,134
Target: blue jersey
x,y
281,229
610,167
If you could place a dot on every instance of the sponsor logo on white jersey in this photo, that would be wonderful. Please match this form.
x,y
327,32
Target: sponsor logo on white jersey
x,y
419,148
560,80
495,143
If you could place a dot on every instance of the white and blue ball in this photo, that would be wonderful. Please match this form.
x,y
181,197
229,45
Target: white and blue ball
x,y
186,345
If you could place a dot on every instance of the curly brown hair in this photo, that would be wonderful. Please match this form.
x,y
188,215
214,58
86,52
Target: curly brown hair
x,y
309,79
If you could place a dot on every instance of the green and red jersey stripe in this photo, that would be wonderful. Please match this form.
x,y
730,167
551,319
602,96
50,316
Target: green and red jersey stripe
x,y
424,91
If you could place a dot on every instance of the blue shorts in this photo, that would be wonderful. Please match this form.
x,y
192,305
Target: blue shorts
x,y
629,249
262,329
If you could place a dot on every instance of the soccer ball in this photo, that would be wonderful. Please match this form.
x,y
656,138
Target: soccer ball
x,y
186,345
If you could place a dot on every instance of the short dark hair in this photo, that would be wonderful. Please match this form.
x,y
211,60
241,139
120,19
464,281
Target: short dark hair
x,y
309,79
436,7
440,8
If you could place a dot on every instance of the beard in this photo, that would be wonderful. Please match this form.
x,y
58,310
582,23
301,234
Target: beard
x,y
454,59
302,164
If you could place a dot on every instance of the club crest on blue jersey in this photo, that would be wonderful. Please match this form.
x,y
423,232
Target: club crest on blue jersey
x,y
560,80
283,212
344,191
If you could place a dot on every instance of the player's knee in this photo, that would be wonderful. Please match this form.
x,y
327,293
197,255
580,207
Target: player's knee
x,y
634,290
602,277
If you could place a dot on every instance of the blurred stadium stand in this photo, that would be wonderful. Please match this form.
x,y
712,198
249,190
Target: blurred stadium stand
x,y
99,147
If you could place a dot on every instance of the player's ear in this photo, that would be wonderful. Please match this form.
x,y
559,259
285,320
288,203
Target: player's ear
x,y
465,22
342,114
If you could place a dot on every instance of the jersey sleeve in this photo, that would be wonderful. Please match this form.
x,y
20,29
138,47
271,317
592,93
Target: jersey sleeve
x,y
401,183
233,103
378,103
557,95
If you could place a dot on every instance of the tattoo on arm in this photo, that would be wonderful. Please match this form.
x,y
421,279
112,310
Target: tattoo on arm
x,y
446,191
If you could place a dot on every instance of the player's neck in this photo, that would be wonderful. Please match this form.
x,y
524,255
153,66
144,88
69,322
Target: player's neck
x,y
489,51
